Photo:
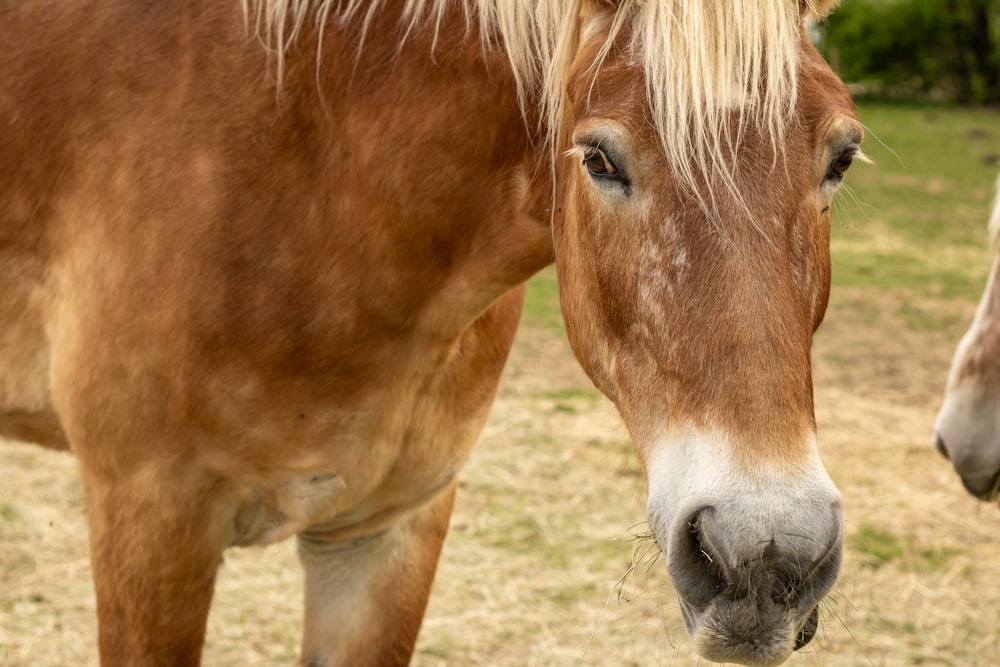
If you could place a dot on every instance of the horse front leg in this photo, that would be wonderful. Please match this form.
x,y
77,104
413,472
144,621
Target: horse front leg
x,y
154,561
365,598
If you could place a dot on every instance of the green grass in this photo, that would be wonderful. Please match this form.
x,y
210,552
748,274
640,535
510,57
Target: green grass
x,y
541,303
934,169
8,512
441,651
18,565
572,594
882,547
913,268
929,189
917,318
570,399
569,394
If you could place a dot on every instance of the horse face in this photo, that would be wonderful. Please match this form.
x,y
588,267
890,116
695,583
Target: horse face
x,y
694,313
967,429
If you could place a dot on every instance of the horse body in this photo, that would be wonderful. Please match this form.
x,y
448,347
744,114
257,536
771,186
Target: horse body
x,y
967,428
147,241
258,308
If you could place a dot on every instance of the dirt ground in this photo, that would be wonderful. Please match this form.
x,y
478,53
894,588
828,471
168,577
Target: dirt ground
x,y
545,563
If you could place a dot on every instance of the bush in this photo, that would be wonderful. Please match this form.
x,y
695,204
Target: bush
x,y
917,49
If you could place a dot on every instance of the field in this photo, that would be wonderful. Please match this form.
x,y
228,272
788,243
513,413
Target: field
x,y
545,563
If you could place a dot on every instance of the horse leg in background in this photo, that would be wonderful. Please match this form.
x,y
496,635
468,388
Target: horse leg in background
x,y
365,598
154,561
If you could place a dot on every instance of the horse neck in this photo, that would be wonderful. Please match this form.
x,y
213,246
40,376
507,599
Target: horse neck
x,y
440,155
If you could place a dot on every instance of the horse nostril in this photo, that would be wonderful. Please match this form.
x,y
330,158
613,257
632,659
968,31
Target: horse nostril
x,y
696,566
808,630
707,567
940,446
984,487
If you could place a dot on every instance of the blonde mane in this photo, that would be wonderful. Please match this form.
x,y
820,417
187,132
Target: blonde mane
x,y
703,59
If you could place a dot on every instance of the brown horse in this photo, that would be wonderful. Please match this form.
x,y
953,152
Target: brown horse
x,y
261,267
967,429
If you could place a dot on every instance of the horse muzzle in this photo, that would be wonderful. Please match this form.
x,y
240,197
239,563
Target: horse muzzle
x,y
751,602
981,480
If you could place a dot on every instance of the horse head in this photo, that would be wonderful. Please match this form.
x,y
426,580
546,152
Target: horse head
x,y
696,172
967,429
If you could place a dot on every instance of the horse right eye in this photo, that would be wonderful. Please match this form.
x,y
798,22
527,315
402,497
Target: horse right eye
x,y
598,164
843,164
840,165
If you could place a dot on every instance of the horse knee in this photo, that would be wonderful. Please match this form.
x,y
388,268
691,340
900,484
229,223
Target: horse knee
x,y
366,594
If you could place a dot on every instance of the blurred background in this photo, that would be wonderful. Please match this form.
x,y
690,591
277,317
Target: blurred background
x,y
917,50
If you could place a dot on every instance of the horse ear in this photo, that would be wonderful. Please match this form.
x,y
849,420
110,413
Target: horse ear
x,y
816,9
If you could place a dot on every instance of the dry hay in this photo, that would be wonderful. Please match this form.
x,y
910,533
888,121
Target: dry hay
x,y
547,511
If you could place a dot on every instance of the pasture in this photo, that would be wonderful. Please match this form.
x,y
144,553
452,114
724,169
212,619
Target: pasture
x,y
546,563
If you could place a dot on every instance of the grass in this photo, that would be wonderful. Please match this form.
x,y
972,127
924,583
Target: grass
x,y
935,168
916,219
541,303
571,400
8,512
882,547
570,394
918,318
912,268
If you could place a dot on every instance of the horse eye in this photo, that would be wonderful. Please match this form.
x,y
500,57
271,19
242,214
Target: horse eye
x,y
598,164
840,166
843,164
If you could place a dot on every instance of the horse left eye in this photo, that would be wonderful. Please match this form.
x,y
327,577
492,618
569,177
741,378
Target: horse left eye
x,y
598,164
843,164
840,166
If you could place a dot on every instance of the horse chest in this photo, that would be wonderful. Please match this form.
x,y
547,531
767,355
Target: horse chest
x,y
350,468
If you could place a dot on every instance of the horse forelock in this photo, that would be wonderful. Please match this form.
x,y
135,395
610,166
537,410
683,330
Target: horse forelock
x,y
703,61
708,63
